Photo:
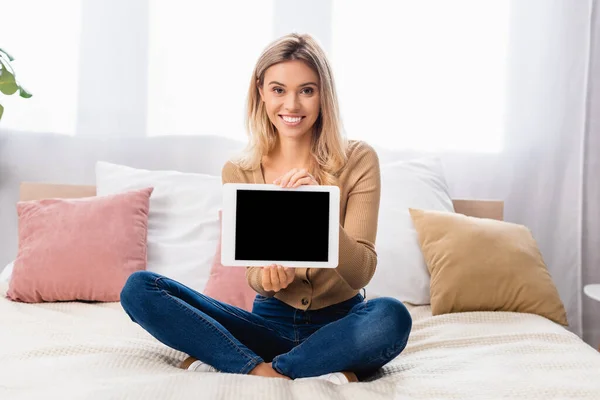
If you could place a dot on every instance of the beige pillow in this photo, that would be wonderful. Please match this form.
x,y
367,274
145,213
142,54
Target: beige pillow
x,y
479,264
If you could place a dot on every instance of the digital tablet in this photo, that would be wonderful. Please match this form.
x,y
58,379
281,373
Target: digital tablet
x,y
267,224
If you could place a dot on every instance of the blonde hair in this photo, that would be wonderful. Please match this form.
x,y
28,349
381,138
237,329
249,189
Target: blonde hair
x,y
328,145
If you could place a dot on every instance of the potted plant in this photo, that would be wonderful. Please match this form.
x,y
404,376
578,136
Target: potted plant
x,y
8,83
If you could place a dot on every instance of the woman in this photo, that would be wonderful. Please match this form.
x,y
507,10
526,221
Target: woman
x,y
305,322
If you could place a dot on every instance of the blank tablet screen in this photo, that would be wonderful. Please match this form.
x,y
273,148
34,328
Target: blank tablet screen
x,y
284,225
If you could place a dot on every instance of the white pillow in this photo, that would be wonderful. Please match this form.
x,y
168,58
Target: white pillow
x,y
6,272
401,270
183,222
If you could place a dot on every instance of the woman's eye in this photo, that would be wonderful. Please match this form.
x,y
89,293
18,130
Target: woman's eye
x,y
278,90
308,90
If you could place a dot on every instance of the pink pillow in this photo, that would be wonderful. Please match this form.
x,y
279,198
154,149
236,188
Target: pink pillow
x,y
229,284
79,249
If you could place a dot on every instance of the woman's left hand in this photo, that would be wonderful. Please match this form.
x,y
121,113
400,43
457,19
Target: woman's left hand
x,y
296,177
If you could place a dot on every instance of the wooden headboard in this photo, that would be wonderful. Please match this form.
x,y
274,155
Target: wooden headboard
x,y
493,209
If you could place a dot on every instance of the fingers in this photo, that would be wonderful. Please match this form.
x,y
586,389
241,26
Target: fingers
x,y
283,281
296,177
294,174
301,173
307,180
266,279
285,179
290,274
276,277
270,281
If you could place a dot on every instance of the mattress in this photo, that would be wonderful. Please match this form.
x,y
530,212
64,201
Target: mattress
x,y
77,350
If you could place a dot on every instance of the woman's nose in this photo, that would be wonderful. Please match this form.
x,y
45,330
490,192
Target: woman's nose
x,y
292,102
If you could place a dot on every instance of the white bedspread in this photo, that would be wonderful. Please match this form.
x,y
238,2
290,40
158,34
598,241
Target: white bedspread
x,y
93,351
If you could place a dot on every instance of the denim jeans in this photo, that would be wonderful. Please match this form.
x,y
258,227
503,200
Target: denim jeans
x,y
354,335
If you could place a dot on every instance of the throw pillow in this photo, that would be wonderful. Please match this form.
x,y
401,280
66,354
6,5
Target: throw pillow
x,y
229,284
183,228
401,271
79,249
479,264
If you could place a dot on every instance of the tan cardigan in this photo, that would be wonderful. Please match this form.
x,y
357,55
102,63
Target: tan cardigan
x,y
360,187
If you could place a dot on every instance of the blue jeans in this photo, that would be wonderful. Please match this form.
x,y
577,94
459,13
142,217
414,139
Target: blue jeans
x,y
354,335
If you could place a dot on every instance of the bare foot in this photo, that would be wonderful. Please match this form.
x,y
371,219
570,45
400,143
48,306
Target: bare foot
x,y
351,376
187,362
265,369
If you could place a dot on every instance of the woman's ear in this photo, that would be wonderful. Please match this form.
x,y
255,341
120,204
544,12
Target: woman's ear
x,y
260,90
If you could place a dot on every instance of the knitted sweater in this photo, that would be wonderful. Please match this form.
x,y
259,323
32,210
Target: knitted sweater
x,y
360,187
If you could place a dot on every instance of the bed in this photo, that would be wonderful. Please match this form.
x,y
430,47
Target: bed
x,y
80,350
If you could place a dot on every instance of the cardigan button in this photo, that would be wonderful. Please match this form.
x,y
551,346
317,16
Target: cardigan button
x,y
304,301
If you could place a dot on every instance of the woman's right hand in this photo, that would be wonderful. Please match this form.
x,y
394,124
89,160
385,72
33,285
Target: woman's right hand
x,y
275,277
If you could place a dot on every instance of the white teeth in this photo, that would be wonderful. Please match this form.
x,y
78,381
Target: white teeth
x,y
291,119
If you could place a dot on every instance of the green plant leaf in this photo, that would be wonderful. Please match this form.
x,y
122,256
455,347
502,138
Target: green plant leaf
x,y
8,88
1,111
6,65
8,85
6,54
23,92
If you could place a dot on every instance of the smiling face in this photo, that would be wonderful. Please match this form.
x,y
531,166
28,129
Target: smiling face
x,y
290,92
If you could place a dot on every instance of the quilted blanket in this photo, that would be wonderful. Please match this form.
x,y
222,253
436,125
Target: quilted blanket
x,y
77,350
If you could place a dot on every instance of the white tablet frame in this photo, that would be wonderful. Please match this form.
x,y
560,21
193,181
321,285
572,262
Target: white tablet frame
x,y
229,223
